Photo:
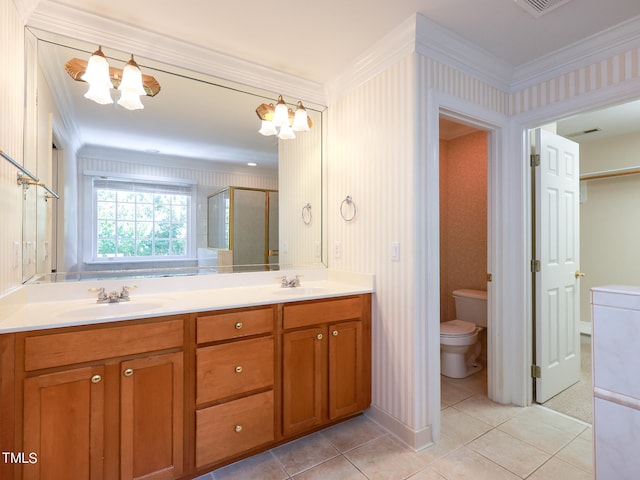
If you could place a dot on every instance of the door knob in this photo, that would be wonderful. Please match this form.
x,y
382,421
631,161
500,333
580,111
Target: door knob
x,y
128,372
579,274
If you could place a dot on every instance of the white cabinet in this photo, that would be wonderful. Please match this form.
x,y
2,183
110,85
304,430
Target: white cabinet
x,y
616,390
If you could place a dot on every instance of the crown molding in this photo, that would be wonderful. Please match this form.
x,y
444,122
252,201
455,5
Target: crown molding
x,y
438,43
420,35
25,8
386,52
115,154
593,49
60,19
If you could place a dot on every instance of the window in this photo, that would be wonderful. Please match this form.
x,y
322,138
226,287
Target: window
x,y
141,221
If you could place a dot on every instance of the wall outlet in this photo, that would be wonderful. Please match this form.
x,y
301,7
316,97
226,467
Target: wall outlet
x,y
285,247
337,250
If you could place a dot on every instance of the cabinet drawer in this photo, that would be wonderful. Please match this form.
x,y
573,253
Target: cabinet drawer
x,y
222,326
233,368
45,351
314,313
234,427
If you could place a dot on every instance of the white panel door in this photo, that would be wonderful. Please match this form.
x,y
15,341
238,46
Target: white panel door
x,y
557,245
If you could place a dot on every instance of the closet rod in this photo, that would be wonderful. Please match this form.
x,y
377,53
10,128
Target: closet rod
x,y
610,173
19,167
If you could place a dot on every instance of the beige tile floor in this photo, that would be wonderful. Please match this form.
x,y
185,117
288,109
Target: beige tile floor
x,y
480,440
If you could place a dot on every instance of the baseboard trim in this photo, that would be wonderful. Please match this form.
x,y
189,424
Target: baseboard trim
x,y
416,440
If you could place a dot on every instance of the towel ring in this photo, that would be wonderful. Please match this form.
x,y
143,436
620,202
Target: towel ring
x,y
306,214
348,200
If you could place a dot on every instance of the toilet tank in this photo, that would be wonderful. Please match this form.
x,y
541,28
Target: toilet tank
x,y
471,306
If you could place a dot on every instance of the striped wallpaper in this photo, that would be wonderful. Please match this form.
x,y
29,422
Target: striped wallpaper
x,y
377,138
11,139
607,73
299,175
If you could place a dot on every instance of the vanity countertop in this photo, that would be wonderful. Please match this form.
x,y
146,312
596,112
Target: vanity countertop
x,y
43,306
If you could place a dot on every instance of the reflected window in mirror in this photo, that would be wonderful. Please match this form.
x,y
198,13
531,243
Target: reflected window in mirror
x,y
141,221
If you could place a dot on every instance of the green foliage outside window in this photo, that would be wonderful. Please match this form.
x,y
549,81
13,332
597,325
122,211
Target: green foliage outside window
x,y
141,224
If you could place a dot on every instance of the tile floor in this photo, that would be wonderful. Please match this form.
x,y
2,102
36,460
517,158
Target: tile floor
x,y
480,440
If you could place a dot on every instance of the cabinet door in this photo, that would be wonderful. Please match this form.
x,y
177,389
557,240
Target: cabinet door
x,y
302,379
345,369
151,417
64,425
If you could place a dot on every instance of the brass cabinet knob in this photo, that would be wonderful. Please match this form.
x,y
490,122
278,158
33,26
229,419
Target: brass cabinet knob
x,y
335,333
238,428
128,372
238,325
319,336
239,369
96,379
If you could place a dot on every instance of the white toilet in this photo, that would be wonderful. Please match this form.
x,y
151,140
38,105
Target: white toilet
x,y
459,345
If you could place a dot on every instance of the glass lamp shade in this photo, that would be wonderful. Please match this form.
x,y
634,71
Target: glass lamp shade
x,y
131,86
97,76
99,93
286,132
130,101
132,79
267,128
281,114
300,121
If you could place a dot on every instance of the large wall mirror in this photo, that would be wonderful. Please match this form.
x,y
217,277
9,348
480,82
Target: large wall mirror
x,y
135,184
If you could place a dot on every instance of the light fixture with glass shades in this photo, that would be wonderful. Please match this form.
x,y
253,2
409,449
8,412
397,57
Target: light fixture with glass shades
x,y
281,120
101,78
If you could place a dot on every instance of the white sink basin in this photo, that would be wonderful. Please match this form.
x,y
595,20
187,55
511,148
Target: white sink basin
x,y
105,310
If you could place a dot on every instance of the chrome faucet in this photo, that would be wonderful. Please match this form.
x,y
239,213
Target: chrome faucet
x,y
294,282
114,296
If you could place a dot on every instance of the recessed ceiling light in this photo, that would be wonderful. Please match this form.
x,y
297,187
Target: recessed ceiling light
x,y
252,164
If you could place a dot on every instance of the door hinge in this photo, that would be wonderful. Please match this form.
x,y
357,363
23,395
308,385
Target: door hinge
x,y
536,372
489,277
535,159
535,266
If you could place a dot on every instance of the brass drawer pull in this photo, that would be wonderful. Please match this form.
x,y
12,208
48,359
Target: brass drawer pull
x,y
238,325
128,372
239,369
335,333
238,428
96,379
319,336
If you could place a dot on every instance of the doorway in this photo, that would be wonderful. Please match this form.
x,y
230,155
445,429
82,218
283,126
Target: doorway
x,y
463,172
609,186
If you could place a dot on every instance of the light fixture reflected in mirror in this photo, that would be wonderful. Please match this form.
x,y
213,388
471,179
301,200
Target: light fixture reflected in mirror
x,y
131,87
102,78
97,76
281,117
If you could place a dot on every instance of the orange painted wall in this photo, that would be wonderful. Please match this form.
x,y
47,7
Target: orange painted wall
x,y
463,217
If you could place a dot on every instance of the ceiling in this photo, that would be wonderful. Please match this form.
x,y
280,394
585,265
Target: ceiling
x,y
318,40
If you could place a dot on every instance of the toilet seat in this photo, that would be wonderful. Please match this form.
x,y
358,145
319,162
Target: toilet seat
x,y
457,328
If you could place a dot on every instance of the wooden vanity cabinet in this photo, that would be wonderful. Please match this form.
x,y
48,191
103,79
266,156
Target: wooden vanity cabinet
x,y
235,379
104,402
178,396
326,357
